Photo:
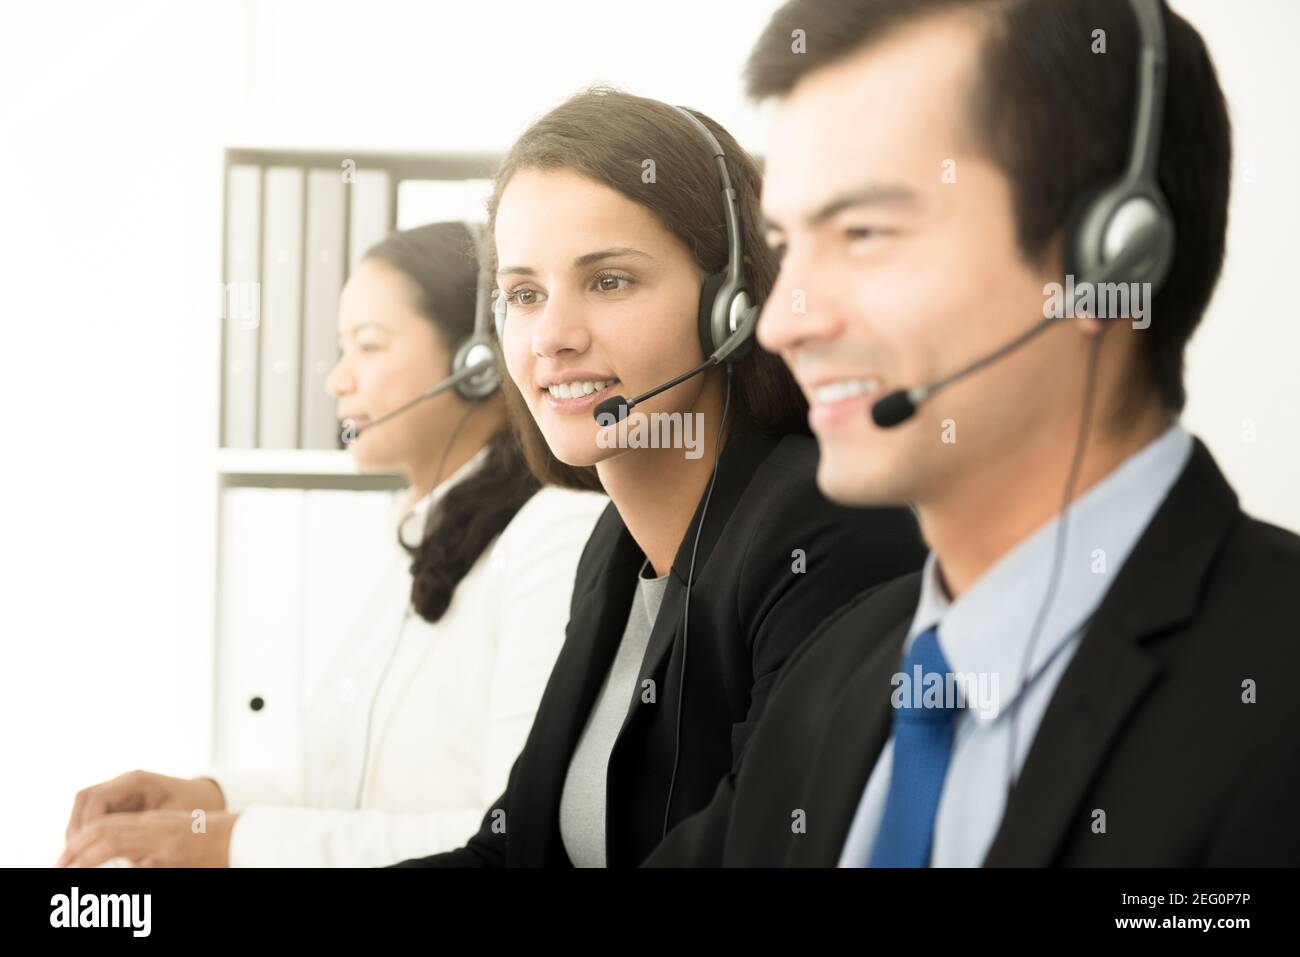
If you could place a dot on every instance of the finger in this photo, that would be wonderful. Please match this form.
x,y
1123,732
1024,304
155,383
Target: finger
x,y
106,836
74,818
96,806
80,839
96,853
86,797
122,794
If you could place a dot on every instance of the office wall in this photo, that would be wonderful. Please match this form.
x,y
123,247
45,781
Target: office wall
x,y
1242,381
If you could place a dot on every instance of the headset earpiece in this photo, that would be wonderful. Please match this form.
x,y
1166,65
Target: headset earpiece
x,y
1129,218
725,303
478,348
708,298
1122,220
477,387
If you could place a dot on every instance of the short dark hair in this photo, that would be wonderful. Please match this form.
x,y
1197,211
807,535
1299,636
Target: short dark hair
x,y
1058,120
605,134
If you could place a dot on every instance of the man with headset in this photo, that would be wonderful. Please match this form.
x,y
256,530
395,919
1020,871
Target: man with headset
x,y
1094,666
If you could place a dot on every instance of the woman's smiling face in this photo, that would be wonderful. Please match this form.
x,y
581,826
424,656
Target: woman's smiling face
x,y
388,354
601,300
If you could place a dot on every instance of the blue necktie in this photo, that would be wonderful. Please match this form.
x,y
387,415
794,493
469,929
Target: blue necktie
x,y
922,746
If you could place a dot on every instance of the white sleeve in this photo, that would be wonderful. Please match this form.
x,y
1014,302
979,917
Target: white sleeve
x,y
242,788
538,562
532,567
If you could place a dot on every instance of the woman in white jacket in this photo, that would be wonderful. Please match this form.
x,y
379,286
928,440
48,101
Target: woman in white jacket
x,y
414,726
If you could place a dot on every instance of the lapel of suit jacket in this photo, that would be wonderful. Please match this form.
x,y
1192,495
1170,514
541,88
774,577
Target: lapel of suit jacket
x,y
597,627
1156,590
857,726
742,454
593,636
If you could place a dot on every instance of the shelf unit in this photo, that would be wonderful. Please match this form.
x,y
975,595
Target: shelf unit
x,y
420,188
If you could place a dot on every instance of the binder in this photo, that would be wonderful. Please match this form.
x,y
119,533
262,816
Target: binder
x,y
241,307
281,309
371,212
260,611
326,230
297,568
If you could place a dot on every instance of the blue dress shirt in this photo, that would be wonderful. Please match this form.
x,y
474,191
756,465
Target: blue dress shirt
x,y
984,635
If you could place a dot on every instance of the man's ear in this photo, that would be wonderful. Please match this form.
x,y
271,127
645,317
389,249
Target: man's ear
x,y
1052,258
1052,261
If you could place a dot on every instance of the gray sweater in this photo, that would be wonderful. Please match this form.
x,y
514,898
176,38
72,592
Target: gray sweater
x,y
582,804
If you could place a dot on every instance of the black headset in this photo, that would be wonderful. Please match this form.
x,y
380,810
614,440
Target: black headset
x,y
1121,231
727,311
474,374
478,347
1128,220
726,320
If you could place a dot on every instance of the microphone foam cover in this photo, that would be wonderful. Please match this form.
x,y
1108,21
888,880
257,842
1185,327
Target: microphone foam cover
x,y
612,411
892,409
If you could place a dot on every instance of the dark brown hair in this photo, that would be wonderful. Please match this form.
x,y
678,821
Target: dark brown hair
x,y
606,135
440,260
1058,120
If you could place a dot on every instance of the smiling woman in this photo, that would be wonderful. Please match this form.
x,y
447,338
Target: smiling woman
x,y
692,591
413,726
637,246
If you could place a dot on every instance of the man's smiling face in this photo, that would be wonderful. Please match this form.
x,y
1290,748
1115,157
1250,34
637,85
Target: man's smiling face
x,y
900,264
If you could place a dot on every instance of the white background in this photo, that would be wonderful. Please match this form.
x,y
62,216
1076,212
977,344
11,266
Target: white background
x,y
114,119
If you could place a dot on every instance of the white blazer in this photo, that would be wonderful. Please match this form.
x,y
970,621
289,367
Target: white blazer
x,y
452,703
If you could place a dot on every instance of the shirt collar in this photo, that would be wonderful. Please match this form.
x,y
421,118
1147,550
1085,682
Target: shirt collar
x,y
987,630
410,521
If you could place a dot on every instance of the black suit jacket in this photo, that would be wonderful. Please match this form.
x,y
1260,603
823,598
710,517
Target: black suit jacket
x,y
1147,723
749,610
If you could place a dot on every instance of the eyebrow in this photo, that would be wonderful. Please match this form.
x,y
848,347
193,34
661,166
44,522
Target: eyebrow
x,y
366,324
872,194
586,259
